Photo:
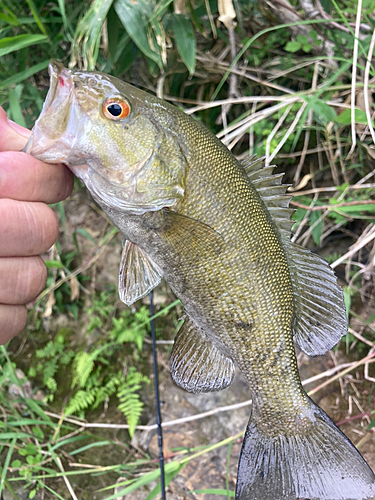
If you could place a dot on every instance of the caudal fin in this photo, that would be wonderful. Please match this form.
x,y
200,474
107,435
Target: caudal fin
x,y
318,462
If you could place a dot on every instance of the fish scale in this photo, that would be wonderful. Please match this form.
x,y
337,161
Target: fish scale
x,y
218,231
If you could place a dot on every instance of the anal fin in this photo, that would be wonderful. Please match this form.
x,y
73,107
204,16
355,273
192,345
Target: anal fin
x,y
197,365
138,274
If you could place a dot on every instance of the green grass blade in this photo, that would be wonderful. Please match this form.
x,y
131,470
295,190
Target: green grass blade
x,y
15,43
36,16
15,110
6,464
23,75
185,40
225,493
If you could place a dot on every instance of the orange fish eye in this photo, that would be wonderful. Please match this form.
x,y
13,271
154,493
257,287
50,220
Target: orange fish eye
x,y
116,108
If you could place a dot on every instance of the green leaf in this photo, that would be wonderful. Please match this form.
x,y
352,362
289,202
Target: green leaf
x,y
135,19
345,118
307,47
168,478
322,110
317,229
23,75
185,40
292,46
54,264
354,209
86,235
347,291
15,110
302,39
36,16
89,31
14,43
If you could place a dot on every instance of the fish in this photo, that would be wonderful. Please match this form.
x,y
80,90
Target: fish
x,y
219,232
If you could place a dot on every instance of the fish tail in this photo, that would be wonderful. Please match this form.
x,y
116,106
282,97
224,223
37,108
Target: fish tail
x,y
315,461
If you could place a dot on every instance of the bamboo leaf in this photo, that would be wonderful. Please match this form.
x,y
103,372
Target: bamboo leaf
x,y
14,43
36,16
185,40
317,229
135,19
15,110
23,75
168,478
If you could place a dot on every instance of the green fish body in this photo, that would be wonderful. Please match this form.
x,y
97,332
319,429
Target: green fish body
x,y
218,231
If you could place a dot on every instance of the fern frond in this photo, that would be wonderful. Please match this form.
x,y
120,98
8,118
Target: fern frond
x,y
81,401
130,402
82,367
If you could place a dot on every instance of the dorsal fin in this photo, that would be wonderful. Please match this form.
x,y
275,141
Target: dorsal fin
x,y
320,318
273,193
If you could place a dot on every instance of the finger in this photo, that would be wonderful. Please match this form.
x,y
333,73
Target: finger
x,y
23,177
13,137
26,228
22,279
12,321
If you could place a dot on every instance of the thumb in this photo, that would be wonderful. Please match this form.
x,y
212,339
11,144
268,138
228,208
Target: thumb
x,y
13,137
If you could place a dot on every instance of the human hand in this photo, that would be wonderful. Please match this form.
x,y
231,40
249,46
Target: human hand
x,y
28,227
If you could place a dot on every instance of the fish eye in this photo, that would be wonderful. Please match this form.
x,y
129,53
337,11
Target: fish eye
x,y
116,108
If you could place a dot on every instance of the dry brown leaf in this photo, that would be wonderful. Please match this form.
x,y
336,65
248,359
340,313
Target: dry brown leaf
x,y
49,305
227,13
74,288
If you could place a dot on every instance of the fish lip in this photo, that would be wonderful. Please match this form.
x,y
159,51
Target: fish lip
x,y
61,82
58,101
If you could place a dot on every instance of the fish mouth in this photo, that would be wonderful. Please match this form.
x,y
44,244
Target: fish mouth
x,y
54,133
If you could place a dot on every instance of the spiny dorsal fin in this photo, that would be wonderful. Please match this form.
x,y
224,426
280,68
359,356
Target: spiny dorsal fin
x,y
320,318
138,274
273,193
196,363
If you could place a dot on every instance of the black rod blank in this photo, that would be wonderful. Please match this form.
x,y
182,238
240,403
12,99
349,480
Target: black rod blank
x,y
158,413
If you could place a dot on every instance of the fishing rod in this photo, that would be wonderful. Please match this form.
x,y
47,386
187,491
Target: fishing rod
x,y
158,413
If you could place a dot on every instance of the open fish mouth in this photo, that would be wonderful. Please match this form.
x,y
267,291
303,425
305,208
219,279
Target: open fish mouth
x,y
54,133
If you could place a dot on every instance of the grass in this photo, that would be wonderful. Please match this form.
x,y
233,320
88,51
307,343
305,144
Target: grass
x,y
310,112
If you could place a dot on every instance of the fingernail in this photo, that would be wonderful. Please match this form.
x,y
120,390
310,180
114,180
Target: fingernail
x,y
19,129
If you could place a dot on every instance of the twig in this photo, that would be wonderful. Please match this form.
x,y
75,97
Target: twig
x,y
154,426
365,86
289,131
329,188
359,337
355,248
273,133
354,77
367,359
66,480
332,207
307,133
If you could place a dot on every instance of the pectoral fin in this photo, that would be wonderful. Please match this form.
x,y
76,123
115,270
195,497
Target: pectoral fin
x,y
192,236
138,274
196,363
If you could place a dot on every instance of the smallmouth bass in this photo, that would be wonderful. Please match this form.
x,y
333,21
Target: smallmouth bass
x,y
218,231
